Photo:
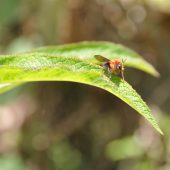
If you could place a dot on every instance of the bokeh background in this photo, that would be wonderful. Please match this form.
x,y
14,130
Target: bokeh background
x,y
70,126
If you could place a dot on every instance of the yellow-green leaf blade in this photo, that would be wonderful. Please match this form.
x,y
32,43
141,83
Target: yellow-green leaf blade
x,y
87,50
44,67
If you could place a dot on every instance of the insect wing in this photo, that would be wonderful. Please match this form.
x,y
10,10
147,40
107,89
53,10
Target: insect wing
x,y
101,58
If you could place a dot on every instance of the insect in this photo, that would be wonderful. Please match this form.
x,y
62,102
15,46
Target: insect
x,y
115,66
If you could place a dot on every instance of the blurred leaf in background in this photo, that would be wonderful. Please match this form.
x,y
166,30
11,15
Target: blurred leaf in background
x,y
124,149
8,11
11,162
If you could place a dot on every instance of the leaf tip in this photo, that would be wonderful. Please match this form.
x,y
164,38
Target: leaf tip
x,y
160,131
156,73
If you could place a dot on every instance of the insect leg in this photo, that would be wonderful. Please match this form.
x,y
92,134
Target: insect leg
x,y
105,66
109,72
122,76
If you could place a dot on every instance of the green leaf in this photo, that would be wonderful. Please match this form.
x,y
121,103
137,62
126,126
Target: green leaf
x,y
49,66
87,50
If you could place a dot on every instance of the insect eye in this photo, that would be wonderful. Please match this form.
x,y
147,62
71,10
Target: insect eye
x,y
118,66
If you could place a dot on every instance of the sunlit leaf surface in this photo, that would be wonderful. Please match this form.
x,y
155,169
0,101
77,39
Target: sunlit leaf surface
x,y
76,63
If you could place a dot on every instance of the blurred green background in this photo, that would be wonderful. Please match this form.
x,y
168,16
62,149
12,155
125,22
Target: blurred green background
x,y
70,126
